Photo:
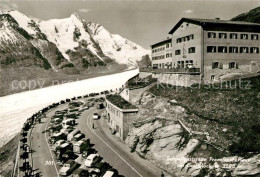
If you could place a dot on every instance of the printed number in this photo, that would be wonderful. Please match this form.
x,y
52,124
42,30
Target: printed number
x,y
229,166
49,162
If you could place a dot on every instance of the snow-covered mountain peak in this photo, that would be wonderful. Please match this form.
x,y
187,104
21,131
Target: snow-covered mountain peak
x,y
74,39
66,33
24,22
115,46
75,16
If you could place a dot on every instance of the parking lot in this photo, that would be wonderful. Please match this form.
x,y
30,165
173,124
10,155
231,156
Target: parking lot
x,y
70,141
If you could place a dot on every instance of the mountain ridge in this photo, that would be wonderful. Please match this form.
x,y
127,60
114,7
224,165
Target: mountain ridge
x,y
75,39
60,48
252,16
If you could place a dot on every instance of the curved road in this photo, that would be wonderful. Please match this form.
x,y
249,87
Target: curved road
x,y
115,153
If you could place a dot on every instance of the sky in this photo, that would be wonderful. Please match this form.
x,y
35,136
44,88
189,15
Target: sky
x,y
144,22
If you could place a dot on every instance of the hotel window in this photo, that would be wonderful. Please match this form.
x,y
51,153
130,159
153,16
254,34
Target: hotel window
x,y
155,66
167,45
212,77
215,65
189,63
211,49
177,52
254,50
222,35
233,36
254,36
243,49
211,35
187,38
192,50
178,40
244,36
170,54
167,55
222,49
232,65
183,39
233,49
191,36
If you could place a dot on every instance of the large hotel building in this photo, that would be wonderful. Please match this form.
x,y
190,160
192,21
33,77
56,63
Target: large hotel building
x,y
208,48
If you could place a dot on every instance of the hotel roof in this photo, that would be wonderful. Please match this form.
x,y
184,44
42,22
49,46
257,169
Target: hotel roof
x,y
161,42
209,23
120,102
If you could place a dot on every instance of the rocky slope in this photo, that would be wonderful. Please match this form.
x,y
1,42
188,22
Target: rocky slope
x,y
199,132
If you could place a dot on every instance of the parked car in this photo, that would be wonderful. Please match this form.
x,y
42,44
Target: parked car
x,y
111,173
74,110
72,134
92,159
57,136
72,115
58,143
56,121
78,137
61,112
67,130
80,146
88,151
68,168
67,155
80,173
68,122
62,149
102,167
100,105
95,116
83,108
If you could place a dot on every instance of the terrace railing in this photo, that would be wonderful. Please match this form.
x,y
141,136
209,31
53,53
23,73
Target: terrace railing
x,y
171,70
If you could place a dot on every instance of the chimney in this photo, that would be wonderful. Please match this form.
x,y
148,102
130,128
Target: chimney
x,y
217,18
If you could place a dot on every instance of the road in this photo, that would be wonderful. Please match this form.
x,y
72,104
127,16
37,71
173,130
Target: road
x,y
43,160
115,153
